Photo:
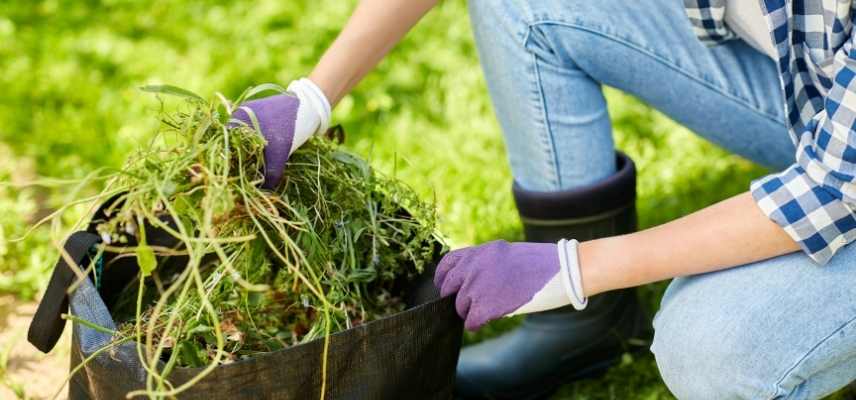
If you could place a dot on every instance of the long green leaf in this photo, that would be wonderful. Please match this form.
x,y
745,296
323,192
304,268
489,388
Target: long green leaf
x,y
264,87
172,91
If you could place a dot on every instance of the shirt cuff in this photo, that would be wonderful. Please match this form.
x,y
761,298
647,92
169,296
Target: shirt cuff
x,y
810,214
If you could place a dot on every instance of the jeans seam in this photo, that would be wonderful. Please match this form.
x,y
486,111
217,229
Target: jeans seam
x,y
660,58
548,140
777,389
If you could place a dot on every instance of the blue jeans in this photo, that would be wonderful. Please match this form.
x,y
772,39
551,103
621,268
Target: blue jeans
x,y
780,328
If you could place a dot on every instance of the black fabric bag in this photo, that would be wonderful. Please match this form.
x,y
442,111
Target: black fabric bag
x,y
409,355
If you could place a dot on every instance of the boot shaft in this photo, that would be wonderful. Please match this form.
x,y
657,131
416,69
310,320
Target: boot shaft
x,y
556,346
605,208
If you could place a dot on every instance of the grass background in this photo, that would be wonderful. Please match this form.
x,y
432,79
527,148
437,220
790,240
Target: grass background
x,y
69,105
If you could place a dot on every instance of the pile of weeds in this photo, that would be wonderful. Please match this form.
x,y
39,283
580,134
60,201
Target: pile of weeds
x,y
259,270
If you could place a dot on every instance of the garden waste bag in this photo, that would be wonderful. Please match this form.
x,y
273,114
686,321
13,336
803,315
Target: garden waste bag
x,y
409,355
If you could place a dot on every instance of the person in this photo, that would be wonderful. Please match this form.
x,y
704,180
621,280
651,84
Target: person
x,y
763,302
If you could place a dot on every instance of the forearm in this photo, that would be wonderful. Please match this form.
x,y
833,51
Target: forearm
x,y
371,32
727,234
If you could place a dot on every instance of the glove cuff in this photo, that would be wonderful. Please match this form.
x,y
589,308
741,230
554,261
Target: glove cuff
x,y
570,271
311,95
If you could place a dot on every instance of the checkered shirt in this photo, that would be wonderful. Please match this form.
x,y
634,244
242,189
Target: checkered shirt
x,y
813,200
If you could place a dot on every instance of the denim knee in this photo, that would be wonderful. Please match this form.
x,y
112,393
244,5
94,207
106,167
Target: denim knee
x,y
697,359
675,355
690,368
779,328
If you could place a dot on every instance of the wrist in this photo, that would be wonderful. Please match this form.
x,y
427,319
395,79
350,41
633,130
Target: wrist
x,y
333,87
606,264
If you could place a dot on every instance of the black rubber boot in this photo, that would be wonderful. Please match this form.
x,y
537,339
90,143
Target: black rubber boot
x,y
558,346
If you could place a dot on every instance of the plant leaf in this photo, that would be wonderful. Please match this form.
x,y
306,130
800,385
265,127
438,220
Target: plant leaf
x,y
172,91
264,87
146,258
348,158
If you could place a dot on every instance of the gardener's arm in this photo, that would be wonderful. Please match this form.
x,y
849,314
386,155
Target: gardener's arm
x,y
373,29
727,234
288,120
499,278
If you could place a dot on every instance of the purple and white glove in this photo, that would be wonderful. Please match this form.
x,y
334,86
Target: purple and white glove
x,y
499,279
286,121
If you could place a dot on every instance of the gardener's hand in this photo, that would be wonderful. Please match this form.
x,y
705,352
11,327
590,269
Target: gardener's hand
x,y
286,121
498,279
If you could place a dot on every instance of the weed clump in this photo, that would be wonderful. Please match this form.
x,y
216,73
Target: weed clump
x,y
253,270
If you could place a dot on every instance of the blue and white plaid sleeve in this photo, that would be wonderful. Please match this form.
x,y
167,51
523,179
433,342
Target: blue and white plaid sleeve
x,y
707,18
814,199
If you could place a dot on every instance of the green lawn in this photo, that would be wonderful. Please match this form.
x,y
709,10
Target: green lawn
x,y
69,105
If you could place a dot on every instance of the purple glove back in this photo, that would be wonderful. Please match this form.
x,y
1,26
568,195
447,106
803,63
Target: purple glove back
x,y
277,117
496,278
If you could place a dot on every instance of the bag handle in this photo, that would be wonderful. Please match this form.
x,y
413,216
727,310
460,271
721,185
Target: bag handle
x,y
47,324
